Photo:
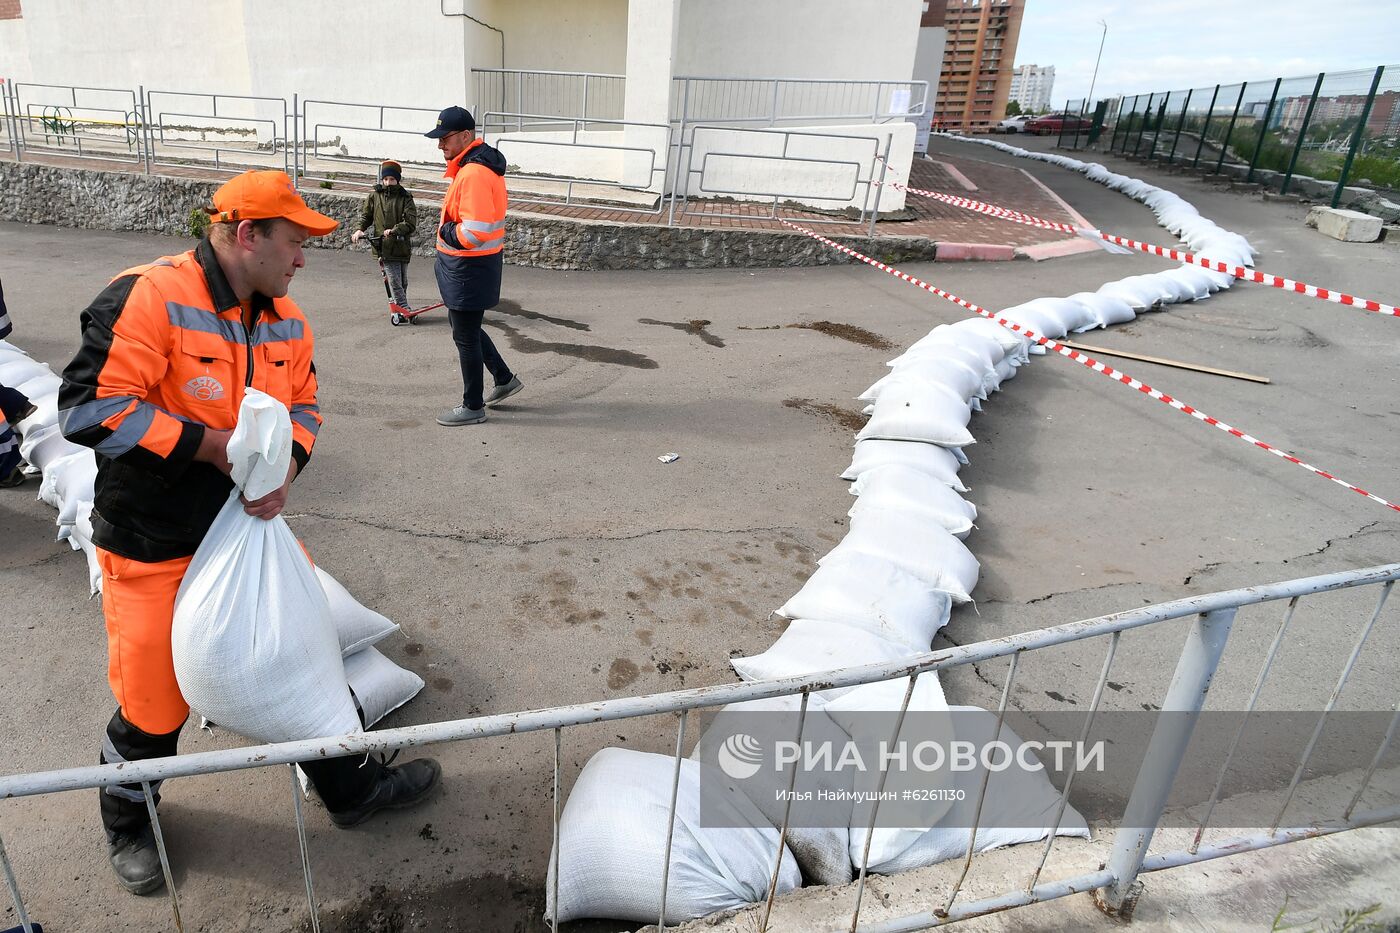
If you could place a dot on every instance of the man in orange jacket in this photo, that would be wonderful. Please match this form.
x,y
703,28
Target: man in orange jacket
x,y
168,350
471,234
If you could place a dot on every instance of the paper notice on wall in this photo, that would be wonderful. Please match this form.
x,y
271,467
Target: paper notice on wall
x,y
899,100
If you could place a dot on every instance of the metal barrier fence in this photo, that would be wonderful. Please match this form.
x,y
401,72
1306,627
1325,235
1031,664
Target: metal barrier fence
x,y
595,154
586,95
74,120
1208,620
379,131
1330,127
864,166
575,117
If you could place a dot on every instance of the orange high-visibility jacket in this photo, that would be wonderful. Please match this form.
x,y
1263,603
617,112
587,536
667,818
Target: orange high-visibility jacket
x,y
473,218
165,353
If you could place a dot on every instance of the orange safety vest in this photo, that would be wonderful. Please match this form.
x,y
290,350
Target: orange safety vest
x,y
476,202
165,353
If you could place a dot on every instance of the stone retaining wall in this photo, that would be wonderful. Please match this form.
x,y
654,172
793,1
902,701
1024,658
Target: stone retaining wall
x,y
68,197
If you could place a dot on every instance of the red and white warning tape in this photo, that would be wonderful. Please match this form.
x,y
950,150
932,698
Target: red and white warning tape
x,y
1091,363
1239,272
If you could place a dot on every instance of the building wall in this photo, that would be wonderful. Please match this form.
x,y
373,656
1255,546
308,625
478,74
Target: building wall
x,y
860,40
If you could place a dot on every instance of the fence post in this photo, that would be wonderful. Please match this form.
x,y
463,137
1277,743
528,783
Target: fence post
x,y
1357,136
1118,123
1263,130
1157,130
1195,667
1142,128
290,138
1230,130
1060,141
1196,163
1302,133
1181,121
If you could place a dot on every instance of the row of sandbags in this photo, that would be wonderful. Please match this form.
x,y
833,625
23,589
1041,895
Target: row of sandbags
x,y
1174,213
69,472
876,597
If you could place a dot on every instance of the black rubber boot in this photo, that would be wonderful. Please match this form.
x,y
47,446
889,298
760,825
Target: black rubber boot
x,y
136,861
131,843
395,788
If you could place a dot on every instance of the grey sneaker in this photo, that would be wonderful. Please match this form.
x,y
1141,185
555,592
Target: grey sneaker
x,y
461,415
501,393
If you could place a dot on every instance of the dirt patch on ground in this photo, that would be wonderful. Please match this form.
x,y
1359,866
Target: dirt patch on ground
x,y
850,332
845,418
520,343
476,904
866,338
695,327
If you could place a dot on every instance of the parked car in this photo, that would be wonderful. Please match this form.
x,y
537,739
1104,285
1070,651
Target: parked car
x,y
1056,123
1012,125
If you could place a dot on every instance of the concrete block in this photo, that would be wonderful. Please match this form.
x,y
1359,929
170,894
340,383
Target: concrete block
x,y
1344,225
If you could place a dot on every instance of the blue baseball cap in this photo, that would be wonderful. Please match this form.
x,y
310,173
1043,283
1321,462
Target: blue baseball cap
x,y
452,120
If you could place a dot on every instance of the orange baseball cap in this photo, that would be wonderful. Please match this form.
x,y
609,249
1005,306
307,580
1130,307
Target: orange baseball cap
x,y
262,195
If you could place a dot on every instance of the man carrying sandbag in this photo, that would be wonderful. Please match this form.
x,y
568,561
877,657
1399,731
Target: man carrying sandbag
x,y
167,352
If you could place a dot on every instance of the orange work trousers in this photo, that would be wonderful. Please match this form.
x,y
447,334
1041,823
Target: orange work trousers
x,y
138,601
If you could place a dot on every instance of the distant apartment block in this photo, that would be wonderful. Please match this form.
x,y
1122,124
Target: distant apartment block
x,y
1384,119
1031,87
977,61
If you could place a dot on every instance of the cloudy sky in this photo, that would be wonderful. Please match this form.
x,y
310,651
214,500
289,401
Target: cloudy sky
x,y
1166,44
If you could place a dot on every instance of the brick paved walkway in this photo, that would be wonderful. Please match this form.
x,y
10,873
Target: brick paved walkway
x,y
998,184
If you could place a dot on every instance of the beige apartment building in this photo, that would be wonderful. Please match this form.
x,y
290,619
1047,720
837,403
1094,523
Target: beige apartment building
x,y
977,60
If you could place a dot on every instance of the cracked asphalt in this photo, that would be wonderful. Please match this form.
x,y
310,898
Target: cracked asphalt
x,y
548,557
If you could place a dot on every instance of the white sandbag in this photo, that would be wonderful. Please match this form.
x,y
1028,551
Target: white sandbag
x,y
42,384
905,489
1040,321
869,715
252,640
821,851
810,647
1069,314
378,685
984,350
46,445
917,411
260,450
253,644
612,842
938,462
957,376
1005,370
68,483
1107,309
80,538
944,352
45,412
1019,807
1011,342
1139,295
20,369
1196,279
1175,289
873,595
918,545
886,502
356,625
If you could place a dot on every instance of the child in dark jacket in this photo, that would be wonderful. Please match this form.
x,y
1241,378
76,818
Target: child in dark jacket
x,y
391,216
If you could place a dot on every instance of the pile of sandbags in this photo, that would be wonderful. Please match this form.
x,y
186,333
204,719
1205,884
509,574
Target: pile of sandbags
x,y
878,597
377,686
